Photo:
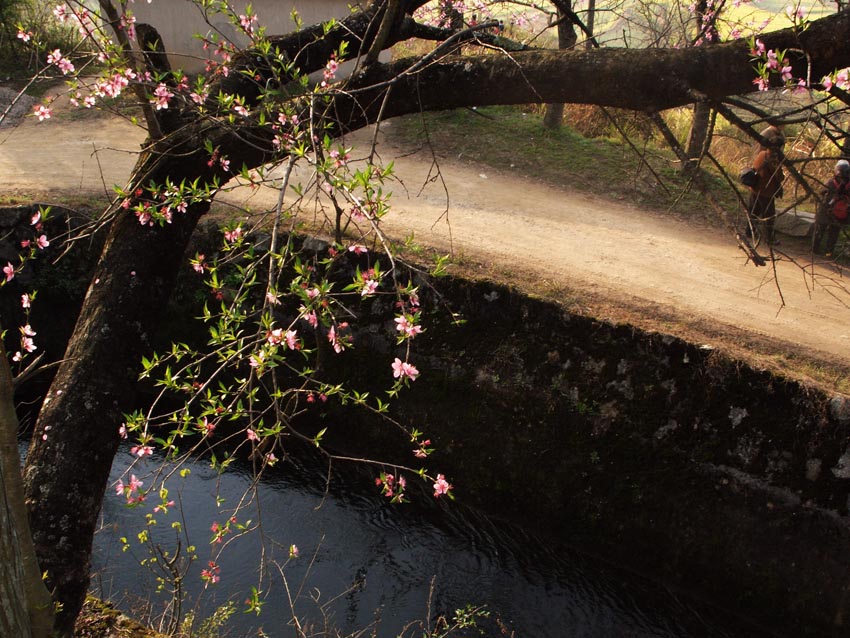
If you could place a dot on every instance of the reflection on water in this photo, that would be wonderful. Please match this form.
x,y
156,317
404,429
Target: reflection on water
x,y
364,561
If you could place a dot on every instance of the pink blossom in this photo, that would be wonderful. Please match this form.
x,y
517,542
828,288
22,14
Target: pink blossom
x,y
312,293
423,451
370,287
144,217
257,360
131,490
128,22
42,112
65,66
42,242
291,339
331,69
61,12
786,73
827,82
293,551
340,159
28,331
28,344
9,271
161,96
241,110
275,336
234,234
272,298
212,573
442,486
26,301
26,36
17,356
758,49
141,450
25,243
338,346
407,327
122,431
252,436
403,369
247,23
164,507
762,83
357,249
772,61
310,317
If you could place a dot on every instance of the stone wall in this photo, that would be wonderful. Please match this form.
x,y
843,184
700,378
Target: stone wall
x,y
662,456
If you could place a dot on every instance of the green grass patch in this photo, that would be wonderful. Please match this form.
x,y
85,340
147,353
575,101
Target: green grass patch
x,y
513,139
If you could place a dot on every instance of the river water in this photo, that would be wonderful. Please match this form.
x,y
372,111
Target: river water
x,y
366,563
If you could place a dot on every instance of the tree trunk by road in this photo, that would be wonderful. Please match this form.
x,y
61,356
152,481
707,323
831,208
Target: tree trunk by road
x,y
553,115
76,435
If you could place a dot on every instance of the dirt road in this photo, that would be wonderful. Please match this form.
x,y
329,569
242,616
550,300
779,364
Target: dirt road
x,y
611,258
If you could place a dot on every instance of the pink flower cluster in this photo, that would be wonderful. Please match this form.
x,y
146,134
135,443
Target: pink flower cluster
x,y
290,338
441,486
42,112
131,491
337,340
330,70
841,80
27,343
212,574
370,282
248,23
161,96
63,63
404,370
405,324
392,487
423,450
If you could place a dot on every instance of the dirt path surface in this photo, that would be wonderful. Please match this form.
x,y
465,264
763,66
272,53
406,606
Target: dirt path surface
x,y
606,258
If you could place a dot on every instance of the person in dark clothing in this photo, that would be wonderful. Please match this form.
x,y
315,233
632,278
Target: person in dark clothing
x,y
768,186
832,212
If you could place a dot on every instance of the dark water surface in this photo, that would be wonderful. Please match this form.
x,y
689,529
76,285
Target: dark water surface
x,y
366,561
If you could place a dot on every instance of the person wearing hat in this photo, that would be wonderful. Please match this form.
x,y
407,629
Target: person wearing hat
x,y
832,212
768,184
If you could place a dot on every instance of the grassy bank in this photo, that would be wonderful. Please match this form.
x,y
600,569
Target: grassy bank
x,y
513,139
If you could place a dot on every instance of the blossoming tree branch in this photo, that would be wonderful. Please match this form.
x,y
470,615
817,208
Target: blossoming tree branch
x,y
254,107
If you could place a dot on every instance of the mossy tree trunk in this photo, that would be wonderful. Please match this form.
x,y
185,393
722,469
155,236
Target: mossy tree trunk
x,y
26,608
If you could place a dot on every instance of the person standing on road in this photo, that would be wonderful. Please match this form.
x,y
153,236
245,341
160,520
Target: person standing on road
x,y
832,213
768,185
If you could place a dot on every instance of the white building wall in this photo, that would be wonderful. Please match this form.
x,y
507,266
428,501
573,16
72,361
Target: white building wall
x,y
177,21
